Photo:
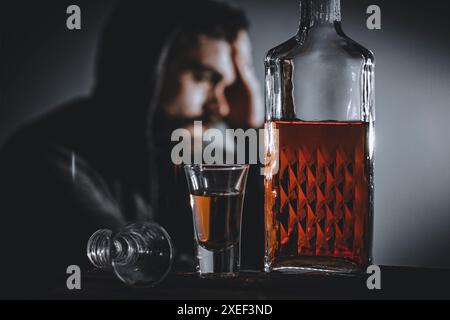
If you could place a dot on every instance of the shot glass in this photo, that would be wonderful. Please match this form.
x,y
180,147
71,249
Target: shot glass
x,y
216,198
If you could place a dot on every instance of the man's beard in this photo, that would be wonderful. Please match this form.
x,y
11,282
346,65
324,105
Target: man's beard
x,y
166,125
208,120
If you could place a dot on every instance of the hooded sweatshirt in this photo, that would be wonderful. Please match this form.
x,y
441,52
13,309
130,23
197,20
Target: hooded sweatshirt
x,y
93,163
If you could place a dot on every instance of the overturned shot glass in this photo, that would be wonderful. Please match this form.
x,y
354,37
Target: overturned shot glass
x,y
140,254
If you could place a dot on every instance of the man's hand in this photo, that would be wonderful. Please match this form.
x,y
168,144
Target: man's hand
x,y
244,96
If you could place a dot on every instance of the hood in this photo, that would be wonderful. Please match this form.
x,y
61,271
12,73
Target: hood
x,y
131,62
130,68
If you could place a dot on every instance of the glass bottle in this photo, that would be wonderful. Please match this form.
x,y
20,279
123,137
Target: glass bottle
x,y
140,254
319,147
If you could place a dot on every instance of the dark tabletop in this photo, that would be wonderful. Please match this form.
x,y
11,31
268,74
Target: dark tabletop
x,y
396,283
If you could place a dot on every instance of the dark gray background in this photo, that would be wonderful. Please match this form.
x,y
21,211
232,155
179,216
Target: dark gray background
x,y
43,64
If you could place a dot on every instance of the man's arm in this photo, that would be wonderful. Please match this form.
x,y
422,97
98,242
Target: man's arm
x,y
244,96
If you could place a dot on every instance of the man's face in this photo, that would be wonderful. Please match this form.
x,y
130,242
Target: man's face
x,y
196,83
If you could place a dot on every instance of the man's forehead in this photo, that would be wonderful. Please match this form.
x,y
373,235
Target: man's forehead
x,y
216,54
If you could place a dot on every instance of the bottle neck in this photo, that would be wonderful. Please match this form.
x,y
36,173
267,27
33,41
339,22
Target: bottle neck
x,y
314,13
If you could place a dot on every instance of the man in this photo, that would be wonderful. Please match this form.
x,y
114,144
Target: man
x,y
103,161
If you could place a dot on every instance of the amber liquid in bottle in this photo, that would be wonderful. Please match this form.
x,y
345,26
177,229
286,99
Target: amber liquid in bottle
x,y
317,199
